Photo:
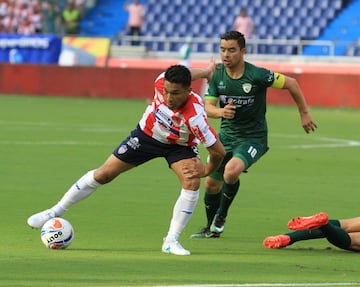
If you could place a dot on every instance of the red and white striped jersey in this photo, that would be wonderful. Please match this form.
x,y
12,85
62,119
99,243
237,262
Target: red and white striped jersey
x,y
186,126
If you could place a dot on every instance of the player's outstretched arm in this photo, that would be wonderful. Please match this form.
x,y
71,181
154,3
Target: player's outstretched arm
x,y
204,73
196,169
294,89
212,111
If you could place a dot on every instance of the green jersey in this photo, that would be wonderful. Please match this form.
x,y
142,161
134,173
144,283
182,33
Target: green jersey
x,y
248,94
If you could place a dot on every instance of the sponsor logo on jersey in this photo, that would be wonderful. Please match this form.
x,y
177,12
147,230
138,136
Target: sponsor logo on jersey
x,y
165,121
221,86
237,101
271,77
244,101
198,133
223,99
163,118
196,151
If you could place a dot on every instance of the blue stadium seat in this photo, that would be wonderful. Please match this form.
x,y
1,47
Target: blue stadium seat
x,y
262,31
276,31
329,13
297,3
316,12
202,47
156,9
288,32
290,12
195,29
170,27
182,30
311,3
154,27
336,4
309,22
322,4
246,3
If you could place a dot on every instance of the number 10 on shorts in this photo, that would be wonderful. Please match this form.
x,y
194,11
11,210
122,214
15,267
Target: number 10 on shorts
x,y
252,151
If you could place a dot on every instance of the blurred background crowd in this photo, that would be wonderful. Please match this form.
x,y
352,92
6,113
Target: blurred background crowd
x,y
30,17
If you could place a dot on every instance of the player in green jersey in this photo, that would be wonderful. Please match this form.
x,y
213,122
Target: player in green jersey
x,y
240,89
342,233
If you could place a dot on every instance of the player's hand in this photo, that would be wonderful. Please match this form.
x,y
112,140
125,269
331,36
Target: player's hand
x,y
307,123
193,168
228,111
211,68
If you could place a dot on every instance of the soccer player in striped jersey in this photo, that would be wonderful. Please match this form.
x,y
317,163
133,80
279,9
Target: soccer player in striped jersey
x,y
172,126
239,88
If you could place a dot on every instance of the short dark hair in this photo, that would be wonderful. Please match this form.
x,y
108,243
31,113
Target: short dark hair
x,y
178,74
234,35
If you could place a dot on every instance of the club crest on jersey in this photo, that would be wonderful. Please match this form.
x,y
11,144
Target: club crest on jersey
x,y
122,149
247,87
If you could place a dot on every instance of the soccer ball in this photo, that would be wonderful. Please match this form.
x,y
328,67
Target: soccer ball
x,y
57,233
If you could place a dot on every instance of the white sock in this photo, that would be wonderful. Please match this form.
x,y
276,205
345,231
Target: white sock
x,y
85,186
182,212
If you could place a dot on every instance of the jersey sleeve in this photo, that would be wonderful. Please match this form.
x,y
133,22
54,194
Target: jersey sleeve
x,y
266,77
201,128
212,92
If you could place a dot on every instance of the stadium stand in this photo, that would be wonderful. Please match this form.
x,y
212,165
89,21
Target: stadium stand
x,y
279,20
105,19
344,29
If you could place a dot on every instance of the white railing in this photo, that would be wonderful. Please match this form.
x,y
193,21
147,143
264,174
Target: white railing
x,y
254,46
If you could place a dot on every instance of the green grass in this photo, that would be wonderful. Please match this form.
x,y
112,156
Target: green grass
x,y
47,143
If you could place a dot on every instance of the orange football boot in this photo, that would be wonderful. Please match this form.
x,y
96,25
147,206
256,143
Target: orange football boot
x,y
310,222
278,241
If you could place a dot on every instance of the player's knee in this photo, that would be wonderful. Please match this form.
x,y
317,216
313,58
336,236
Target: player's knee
x,y
233,169
212,186
191,184
231,176
103,176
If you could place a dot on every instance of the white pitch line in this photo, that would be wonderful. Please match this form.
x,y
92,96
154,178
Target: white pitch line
x,y
309,146
51,143
59,127
268,285
329,142
326,142
265,285
297,284
328,284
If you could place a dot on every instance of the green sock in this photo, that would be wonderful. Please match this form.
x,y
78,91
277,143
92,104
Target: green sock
x,y
228,193
301,235
335,222
212,203
336,236
311,233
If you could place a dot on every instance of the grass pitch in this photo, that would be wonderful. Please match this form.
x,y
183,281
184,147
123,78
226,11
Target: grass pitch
x,y
47,143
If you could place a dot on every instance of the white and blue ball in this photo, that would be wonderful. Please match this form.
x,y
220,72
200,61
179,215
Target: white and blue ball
x,y
57,233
